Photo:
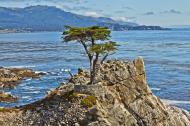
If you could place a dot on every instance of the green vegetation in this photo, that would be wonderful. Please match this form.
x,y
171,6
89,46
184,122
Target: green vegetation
x,y
89,101
96,43
2,109
69,96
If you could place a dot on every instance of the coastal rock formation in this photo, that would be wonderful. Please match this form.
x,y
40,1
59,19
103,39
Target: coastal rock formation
x,y
4,97
120,97
10,77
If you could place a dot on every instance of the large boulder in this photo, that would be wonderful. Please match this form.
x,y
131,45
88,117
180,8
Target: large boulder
x,y
120,97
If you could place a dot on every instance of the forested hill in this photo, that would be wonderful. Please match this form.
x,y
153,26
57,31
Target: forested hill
x,y
49,18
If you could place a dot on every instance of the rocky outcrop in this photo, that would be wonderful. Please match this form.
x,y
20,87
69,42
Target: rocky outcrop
x,y
120,97
10,77
4,97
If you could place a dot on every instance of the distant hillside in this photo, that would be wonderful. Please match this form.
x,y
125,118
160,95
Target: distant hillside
x,y
120,27
180,26
48,18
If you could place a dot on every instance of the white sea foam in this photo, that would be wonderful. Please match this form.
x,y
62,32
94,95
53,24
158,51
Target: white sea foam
x,y
30,88
26,97
29,79
37,72
33,92
7,93
156,89
52,73
175,101
29,66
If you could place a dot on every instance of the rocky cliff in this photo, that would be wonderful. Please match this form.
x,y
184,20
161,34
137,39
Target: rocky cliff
x,y
120,97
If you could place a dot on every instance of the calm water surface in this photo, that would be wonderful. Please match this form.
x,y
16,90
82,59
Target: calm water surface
x,y
166,54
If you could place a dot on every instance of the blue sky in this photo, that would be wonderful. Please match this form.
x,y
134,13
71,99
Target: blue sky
x,y
148,12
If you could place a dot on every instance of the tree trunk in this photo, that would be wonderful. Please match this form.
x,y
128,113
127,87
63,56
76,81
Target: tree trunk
x,y
90,57
93,72
86,50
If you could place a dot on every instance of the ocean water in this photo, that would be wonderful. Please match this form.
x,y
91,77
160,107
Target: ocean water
x,y
166,55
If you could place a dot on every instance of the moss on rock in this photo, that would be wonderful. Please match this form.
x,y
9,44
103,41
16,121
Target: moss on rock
x,y
89,101
70,96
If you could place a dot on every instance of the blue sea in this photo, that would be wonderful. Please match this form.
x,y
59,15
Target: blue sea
x,y
166,55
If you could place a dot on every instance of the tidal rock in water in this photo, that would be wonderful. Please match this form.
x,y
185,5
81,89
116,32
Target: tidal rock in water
x,y
10,77
4,97
121,97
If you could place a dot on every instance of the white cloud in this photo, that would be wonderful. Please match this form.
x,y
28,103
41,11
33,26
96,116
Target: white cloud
x,y
124,19
92,14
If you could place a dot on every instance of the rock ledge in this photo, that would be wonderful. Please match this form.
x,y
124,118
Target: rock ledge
x,y
10,77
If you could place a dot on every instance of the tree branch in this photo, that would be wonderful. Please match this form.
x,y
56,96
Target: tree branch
x,y
86,50
104,58
93,41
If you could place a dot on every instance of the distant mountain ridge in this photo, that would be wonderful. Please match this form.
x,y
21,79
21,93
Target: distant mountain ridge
x,y
49,18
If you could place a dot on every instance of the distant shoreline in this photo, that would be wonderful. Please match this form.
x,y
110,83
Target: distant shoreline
x,y
25,31
6,31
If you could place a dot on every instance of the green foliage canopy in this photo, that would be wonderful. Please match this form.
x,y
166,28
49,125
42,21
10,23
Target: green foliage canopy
x,y
95,40
86,34
104,48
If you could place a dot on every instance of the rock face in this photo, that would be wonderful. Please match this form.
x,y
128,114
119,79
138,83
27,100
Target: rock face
x,y
10,77
121,97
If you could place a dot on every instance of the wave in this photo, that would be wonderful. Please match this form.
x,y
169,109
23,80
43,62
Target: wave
x,y
29,79
22,66
30,88
33,92
156,89
26,97
175,101
37,72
